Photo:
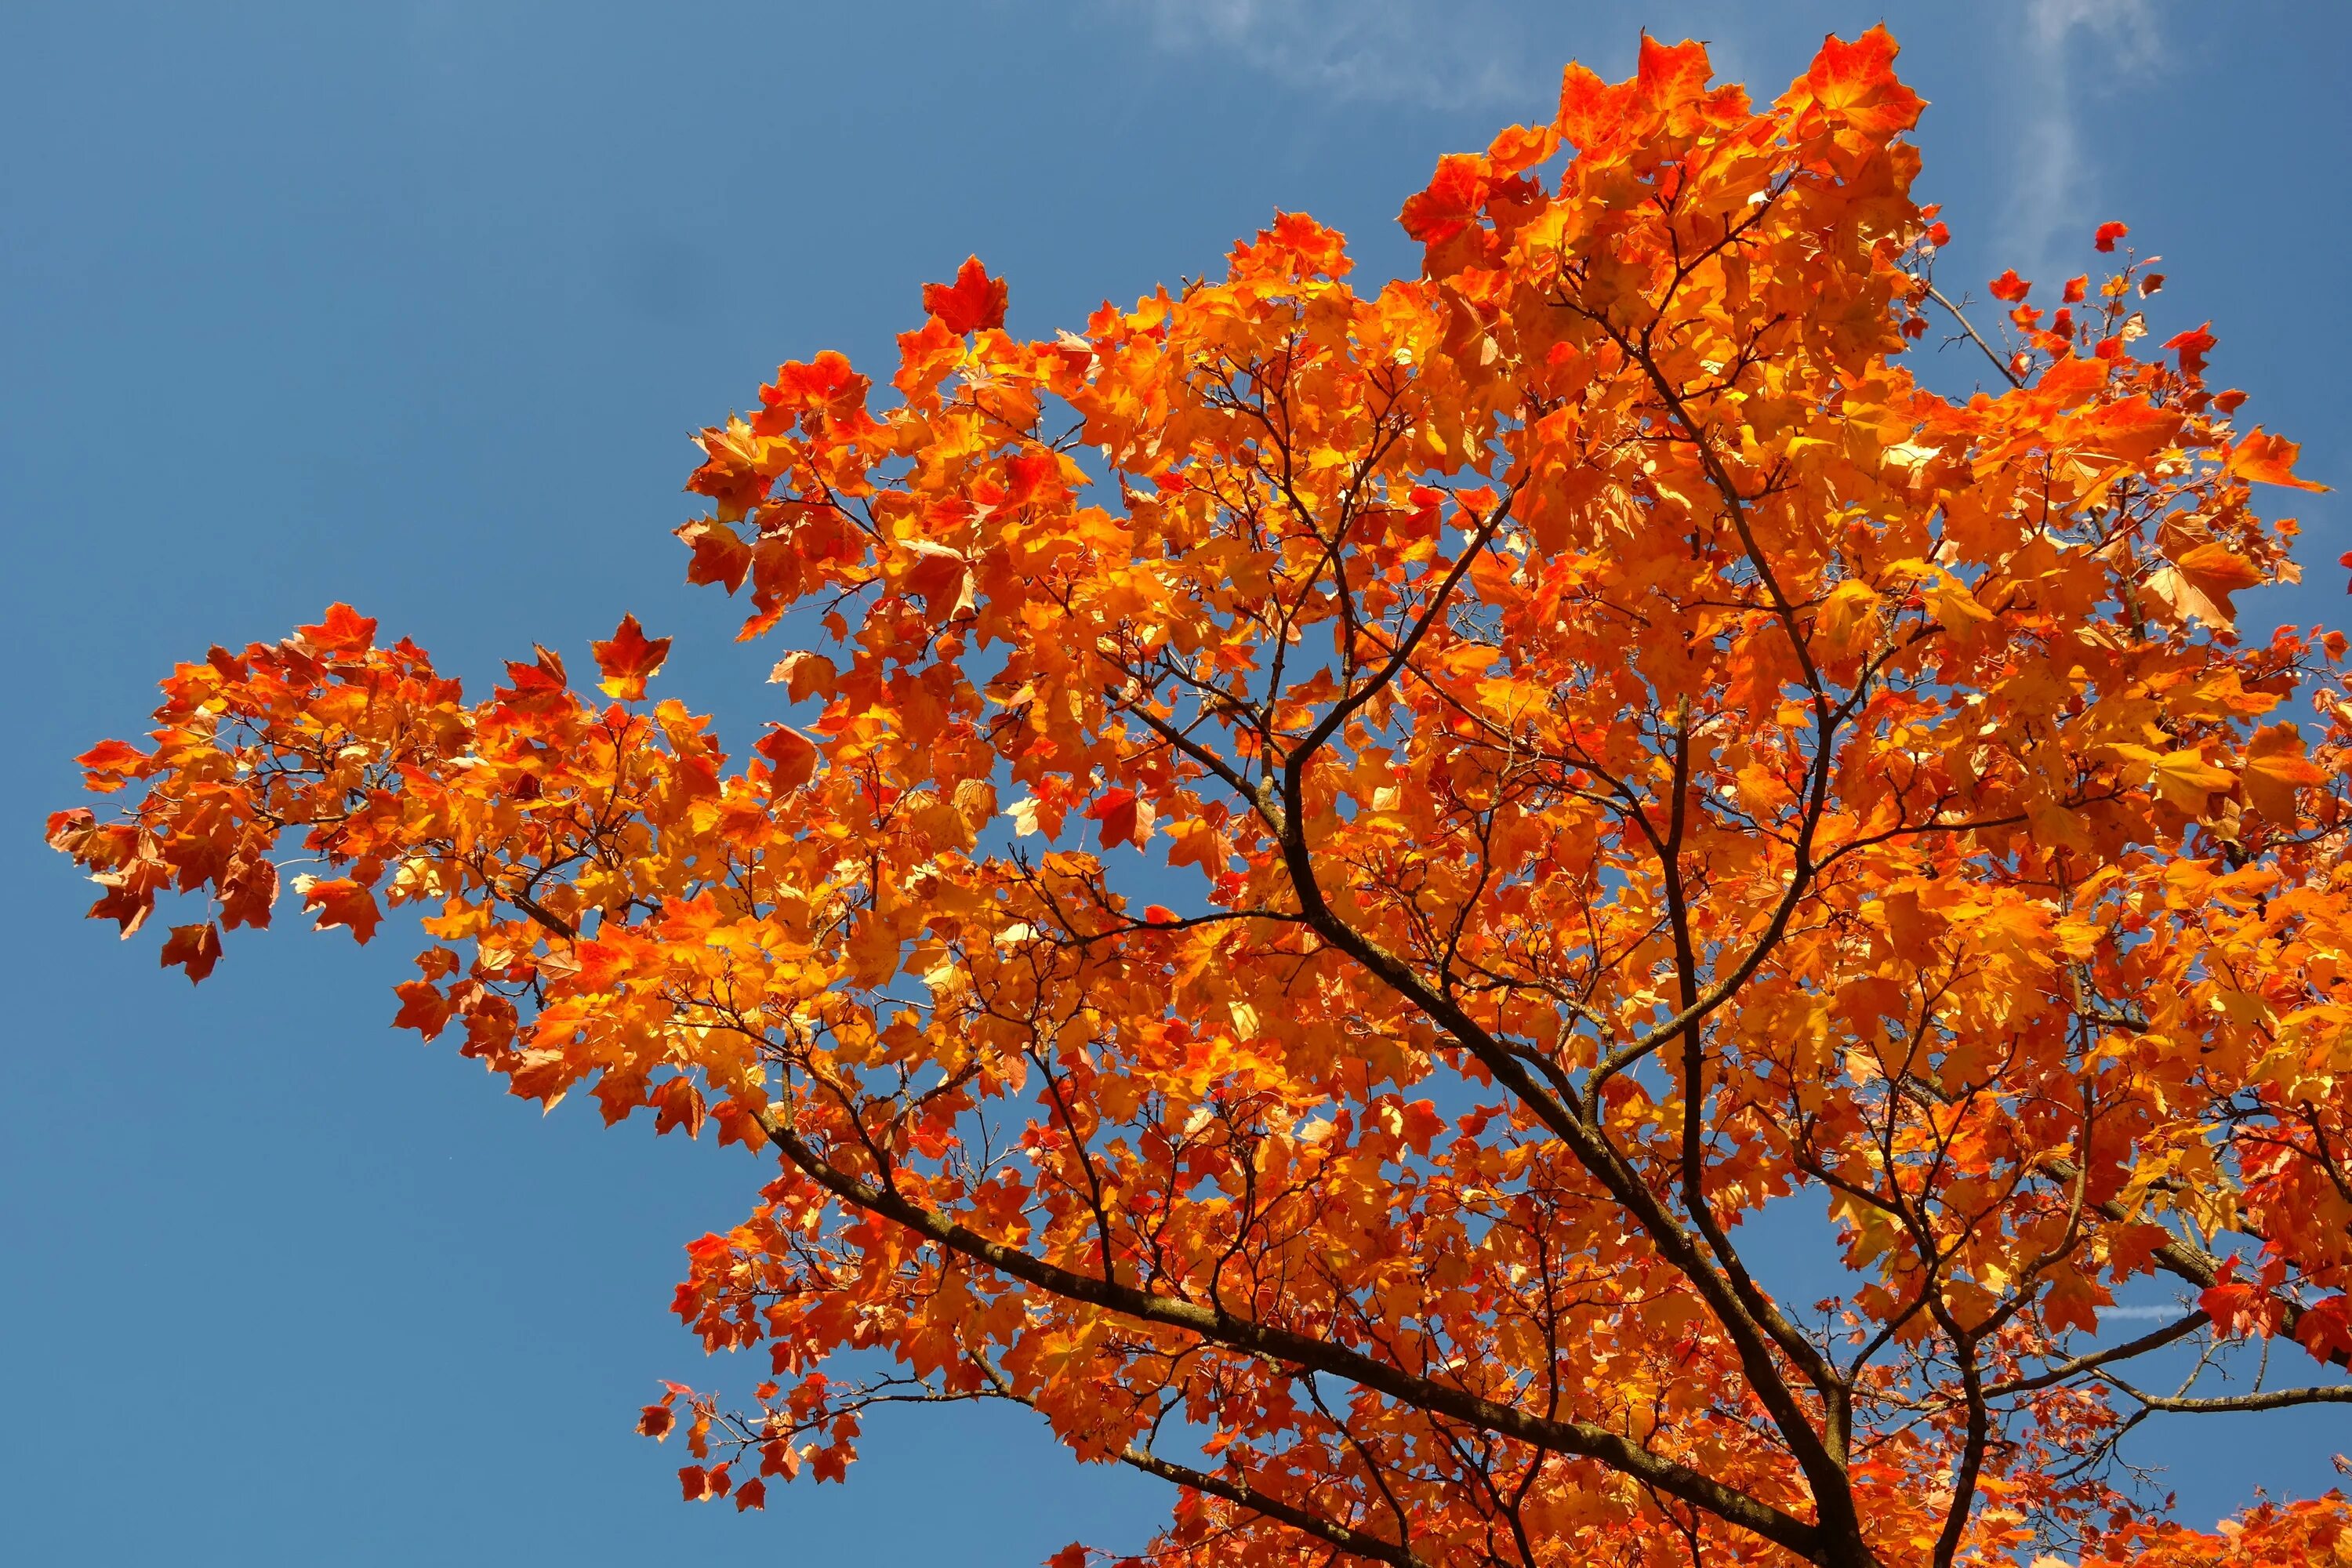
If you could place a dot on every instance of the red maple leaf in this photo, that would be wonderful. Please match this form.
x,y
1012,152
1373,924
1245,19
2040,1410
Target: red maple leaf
x,y
974,302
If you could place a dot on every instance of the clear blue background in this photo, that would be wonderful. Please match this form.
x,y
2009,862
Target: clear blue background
x,y
414,304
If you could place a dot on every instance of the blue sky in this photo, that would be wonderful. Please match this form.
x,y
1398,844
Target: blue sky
x,y
414,304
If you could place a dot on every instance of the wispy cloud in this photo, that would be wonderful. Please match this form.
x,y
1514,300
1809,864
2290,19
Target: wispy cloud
x,y
2055,172
1437,54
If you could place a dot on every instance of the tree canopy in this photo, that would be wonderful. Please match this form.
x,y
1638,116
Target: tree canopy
x,y
1354,875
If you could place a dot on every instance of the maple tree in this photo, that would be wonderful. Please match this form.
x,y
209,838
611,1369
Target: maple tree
x,y
1624,774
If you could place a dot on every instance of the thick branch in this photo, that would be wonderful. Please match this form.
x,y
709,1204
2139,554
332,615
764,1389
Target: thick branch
x,y
2267,1399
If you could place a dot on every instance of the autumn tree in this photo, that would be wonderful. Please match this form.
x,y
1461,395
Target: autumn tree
x,y
1350,871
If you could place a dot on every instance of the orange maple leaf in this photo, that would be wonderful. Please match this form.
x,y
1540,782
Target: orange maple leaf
x,y
340,902
2270,460
792,755
628,659
1856,83
196,948
2276,768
